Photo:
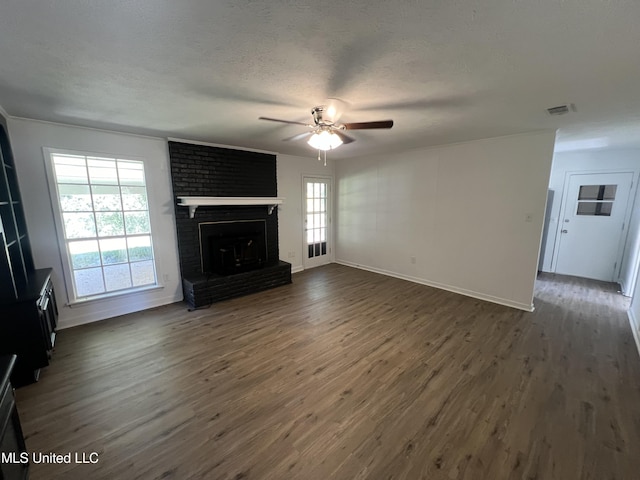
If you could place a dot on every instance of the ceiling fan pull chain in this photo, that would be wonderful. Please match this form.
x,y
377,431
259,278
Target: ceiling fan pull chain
x,y
319,155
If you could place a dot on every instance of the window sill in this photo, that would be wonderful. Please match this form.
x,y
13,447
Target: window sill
x,y
108,296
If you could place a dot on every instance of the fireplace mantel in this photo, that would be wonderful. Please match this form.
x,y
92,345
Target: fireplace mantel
x,y
194,202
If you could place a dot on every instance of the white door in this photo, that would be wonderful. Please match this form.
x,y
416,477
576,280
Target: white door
x,y
316,221
591,237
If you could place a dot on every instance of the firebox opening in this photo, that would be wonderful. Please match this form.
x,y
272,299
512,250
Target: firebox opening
x,y
233,247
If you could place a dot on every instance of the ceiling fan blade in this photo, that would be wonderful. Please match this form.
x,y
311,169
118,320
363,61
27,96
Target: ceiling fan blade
x,y
299,136
283,121
368,125
345,138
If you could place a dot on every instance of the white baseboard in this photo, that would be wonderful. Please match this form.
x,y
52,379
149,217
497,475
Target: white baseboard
x,y
623,288
84,314
441,286
297,269
635,328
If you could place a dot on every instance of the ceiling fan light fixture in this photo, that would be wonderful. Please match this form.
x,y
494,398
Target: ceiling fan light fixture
x,y
325,140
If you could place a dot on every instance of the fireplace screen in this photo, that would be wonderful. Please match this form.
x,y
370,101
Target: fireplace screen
x,y
233,247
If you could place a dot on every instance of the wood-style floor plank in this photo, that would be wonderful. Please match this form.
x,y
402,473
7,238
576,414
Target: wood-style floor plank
x,y
347,374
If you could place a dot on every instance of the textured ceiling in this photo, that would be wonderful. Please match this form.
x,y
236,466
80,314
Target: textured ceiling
x,y
444,70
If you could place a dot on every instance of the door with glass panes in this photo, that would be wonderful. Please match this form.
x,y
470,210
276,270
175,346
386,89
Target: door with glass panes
x,y
317,221
592,231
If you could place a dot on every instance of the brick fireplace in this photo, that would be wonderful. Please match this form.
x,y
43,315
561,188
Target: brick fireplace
x,y
225,251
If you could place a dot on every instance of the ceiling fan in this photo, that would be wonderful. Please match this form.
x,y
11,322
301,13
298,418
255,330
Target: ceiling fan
x,y
326,133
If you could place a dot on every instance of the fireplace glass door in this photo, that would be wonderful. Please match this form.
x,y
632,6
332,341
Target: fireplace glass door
x,y
317,220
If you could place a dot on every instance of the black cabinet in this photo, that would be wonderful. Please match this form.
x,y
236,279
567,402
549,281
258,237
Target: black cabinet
x,y
28,310
28,327
14,461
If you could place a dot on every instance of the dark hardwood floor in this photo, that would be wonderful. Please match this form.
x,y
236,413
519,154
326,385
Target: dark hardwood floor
x,y
347,374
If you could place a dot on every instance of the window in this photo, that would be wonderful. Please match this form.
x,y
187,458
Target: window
x,y
104,217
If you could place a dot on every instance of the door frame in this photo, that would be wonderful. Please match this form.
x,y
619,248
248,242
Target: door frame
x,y
627,216
330,230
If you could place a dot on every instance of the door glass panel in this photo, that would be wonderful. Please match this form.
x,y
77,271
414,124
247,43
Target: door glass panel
x,y
316,219
600,209
597,192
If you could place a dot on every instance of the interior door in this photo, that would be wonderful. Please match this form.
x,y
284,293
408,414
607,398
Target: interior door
x,y
317,221
592,225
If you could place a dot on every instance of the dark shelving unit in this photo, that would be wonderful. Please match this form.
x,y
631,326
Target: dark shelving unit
x,y
28,309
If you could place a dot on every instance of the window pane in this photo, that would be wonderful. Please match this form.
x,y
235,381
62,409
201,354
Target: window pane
x,y
609,192
109,224
310,220
309,190
79,225
309,205
106,198
601,209
131,172
309,236
89,281
75,198
70,169
84,254
117,277
137,222
114,250
102,171
597,192
316,190
134,198
140,248
143,273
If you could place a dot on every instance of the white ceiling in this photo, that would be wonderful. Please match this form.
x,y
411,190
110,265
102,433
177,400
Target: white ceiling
x,y
445,71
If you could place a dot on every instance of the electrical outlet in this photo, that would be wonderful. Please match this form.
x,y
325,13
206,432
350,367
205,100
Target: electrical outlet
x,y
413,260
528,217
165,277
292,254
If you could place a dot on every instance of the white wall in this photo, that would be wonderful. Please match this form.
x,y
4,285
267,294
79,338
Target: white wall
x,y
471,214
593,161
634,312
27,139
290,227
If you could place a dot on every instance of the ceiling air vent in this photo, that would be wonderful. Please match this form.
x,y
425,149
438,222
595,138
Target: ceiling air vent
x,y
561,109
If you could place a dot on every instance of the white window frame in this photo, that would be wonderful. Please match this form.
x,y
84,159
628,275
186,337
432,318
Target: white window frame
x,y
67,267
